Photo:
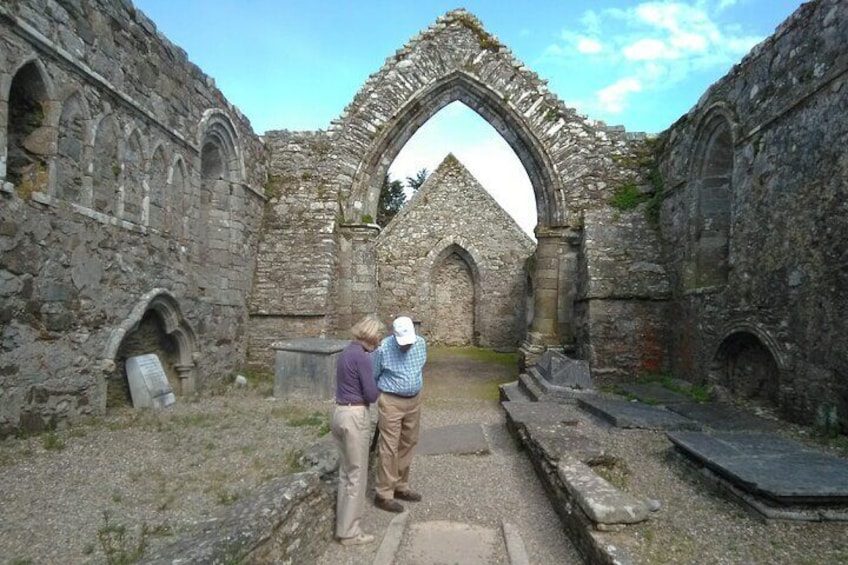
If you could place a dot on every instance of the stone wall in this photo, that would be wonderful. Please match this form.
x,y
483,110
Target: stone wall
x,y
464,281
754,221
131,190
295,283
622,305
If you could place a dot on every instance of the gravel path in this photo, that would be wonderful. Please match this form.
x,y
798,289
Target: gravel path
x,y
478,490
95,491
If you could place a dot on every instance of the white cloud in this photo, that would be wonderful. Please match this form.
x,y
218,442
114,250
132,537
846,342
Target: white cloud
x,y
648,50
588,45
613,98
649,47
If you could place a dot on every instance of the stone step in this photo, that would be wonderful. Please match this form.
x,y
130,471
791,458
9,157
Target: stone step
x,y
512,392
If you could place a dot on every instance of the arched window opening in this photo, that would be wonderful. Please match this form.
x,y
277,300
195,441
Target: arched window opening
x,y
106,170
157,181
71,142
28,137
132,179
175,220
712,238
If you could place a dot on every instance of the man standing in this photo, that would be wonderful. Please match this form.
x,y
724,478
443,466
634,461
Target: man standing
x,y
398,365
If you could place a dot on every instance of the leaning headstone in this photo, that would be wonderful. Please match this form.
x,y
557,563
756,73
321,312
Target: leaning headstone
x,y
149,386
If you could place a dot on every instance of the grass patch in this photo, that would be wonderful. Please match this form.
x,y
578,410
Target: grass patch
x,y
298,417
437,353
613,470
119,546
52,442
627,197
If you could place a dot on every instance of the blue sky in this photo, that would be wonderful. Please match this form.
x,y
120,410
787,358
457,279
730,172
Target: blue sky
x,y
296,64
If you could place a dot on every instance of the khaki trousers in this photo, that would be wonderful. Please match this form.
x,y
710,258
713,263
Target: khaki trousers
x,y
398,422
351,427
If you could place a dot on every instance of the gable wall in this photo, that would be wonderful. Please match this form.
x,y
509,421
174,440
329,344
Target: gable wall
x,y
452,210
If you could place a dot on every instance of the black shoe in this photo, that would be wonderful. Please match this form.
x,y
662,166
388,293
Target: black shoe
x,y
388,504
408,495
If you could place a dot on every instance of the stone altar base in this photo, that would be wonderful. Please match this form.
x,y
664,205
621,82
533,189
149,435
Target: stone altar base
x,y
306,368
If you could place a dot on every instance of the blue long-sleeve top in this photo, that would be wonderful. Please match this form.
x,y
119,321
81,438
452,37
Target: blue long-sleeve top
x,y
355,375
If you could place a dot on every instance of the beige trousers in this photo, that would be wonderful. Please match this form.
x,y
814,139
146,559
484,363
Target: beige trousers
x,y
398,422
351,427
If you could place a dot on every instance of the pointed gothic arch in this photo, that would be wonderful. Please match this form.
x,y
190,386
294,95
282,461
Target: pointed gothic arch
x,y
460,86
565,155
712,176
70,154
30,128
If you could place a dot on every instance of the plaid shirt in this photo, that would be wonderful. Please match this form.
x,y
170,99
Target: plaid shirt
x,y
398,372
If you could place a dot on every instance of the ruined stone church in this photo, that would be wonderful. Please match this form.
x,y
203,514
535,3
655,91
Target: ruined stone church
x,y
140,213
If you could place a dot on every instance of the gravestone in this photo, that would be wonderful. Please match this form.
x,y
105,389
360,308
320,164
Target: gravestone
x,y
306,368
560,370
149,386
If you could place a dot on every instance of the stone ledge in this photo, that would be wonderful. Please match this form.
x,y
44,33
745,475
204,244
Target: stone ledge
x,y
286,521
591,539
601,501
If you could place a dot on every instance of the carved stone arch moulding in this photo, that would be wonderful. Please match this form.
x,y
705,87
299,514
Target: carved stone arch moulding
x,y
779,354
217,128
165,305
417,110
717,119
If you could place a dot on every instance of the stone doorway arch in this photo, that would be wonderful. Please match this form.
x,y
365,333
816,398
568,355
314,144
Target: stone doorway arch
x,y
565,155
453,298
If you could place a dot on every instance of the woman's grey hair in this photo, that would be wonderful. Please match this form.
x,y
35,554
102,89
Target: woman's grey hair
x,y
368,330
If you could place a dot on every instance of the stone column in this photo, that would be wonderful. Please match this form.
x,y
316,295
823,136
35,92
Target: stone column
x,y
554,289
186,376
357,273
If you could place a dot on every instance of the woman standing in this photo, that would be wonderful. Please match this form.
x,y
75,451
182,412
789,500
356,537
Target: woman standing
x,y
351,426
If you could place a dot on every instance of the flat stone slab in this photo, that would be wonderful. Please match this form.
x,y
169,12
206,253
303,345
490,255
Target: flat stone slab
x,y
539,412
311,345
625,414
723,417
653,393
560,441
769,466
602,502
441,542
459,439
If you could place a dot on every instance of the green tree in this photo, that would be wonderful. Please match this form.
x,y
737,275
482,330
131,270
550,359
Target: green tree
x,y
415,182
392,199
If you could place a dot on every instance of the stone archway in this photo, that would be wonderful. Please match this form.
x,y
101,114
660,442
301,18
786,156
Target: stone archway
x,y
566,156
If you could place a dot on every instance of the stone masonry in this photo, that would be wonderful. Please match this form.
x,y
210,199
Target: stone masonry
x,y
464,281
139,213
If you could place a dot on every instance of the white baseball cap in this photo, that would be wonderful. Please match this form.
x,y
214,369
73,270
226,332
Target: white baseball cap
x,y
404,330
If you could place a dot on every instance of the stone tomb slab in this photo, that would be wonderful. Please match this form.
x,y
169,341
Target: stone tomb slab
x,y
306,368
149,386
443,542
459,439
626,414
723,417
653,393
769,466
555,429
